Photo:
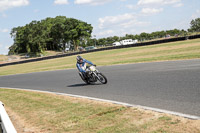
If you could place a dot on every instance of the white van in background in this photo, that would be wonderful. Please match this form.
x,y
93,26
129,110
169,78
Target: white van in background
x,y
125,42
128,41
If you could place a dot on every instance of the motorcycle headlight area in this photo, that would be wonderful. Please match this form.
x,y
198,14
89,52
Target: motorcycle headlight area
x,y
92,68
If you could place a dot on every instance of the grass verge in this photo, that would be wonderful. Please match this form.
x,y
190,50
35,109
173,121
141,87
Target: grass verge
x,y
188,49
50,113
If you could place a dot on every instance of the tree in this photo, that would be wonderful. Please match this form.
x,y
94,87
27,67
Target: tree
x,y
18,34
144,36
78,30
102,41
195,25
58,31
49,34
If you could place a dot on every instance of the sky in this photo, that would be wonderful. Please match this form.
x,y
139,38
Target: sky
x,y
108,17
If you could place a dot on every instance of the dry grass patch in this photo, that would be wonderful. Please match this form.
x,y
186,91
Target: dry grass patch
x,y
33,112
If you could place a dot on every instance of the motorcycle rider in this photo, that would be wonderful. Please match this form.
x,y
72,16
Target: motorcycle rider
x,y
81,65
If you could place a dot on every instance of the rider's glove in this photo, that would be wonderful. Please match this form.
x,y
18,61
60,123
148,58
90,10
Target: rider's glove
x,y
94,65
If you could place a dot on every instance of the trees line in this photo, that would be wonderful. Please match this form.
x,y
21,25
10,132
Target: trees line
x,y
49,34
55,33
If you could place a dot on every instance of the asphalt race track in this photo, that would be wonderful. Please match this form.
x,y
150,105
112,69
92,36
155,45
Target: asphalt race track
x,y
171,85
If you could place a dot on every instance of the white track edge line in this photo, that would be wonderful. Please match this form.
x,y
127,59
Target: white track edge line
x,y
115,102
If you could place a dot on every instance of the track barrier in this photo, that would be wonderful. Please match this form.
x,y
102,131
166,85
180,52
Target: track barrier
x,y
6,125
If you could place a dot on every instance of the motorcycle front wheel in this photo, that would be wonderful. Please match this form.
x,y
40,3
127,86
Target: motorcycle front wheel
x,y
102,78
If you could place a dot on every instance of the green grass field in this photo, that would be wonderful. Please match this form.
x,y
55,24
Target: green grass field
x,y
189,49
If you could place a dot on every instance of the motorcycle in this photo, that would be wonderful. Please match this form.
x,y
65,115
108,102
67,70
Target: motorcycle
x,y
93,75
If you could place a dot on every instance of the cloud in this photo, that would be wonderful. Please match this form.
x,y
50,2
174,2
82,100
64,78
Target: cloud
x,y
119,25
150,11
6,4
115,20
131,6
151,2
124,20
178,5
171,1
158,2
4,30
134,23
147,2
151,7
105,33
92,2
61,2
